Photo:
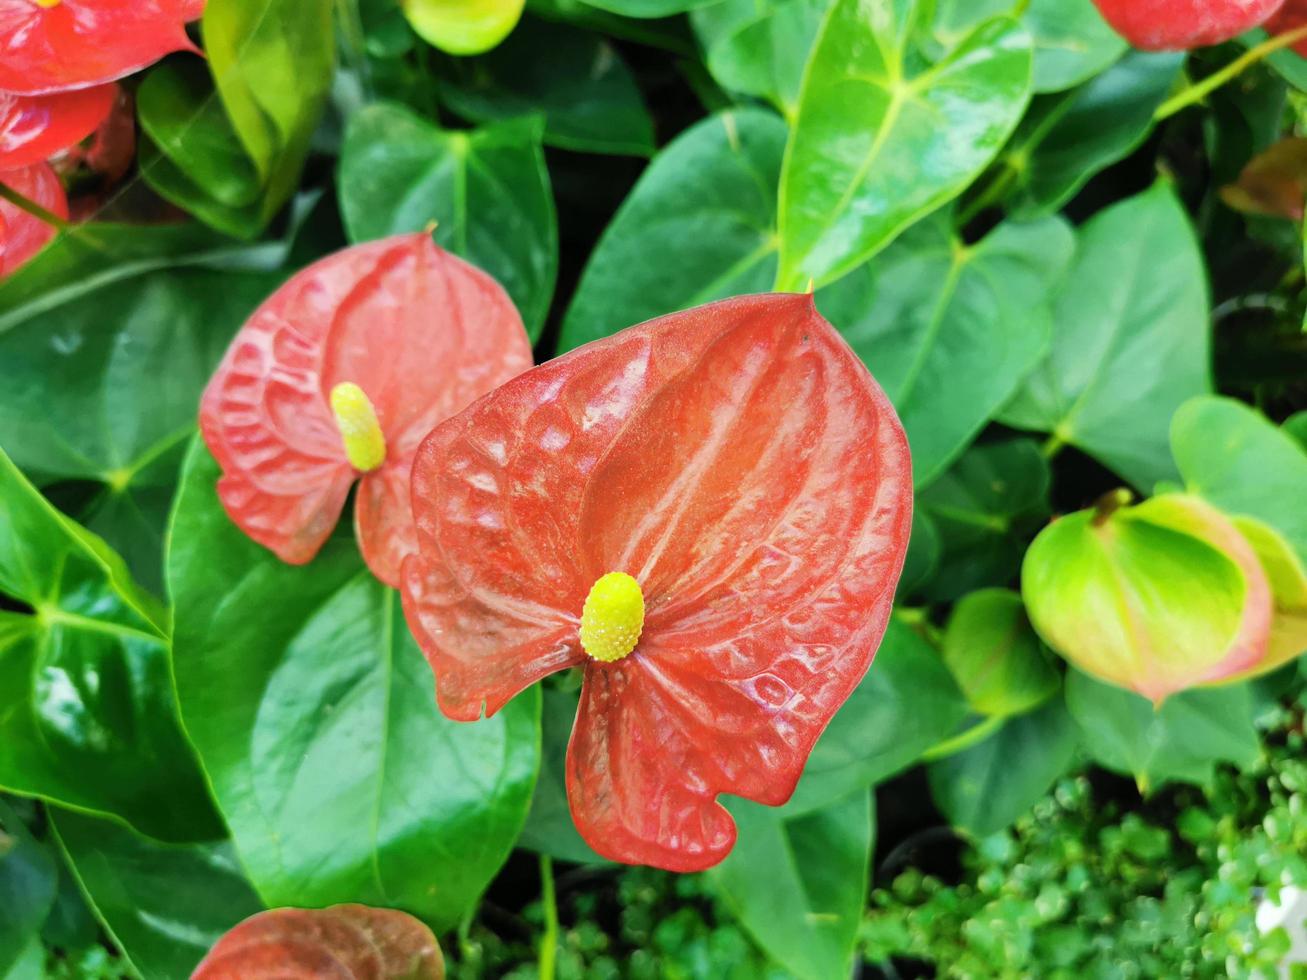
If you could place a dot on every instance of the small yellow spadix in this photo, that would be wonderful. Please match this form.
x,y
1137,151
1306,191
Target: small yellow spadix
x,y
47,3
365,445
612,618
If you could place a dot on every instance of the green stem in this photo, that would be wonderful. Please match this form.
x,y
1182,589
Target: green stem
x,y
964,740
1199,90
34,209
549,941
1053,445
991,194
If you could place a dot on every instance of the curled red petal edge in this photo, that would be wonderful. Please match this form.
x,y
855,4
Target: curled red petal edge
x,y
34,128
22,235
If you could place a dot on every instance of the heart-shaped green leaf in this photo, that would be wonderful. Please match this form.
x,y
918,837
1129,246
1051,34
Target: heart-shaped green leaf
x,y
882,137
486,189
314,714
995,655
87,717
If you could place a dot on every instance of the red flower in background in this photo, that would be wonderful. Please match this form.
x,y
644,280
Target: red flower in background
x,y
1290,17
710,512
341,372
1178,25
36,127
22,235
54,45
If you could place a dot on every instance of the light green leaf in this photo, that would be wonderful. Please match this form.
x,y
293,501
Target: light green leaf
x,y
648,8
1182,741
995,656
575,79
114,332
27,887
462,26
314,714
985,509
984,788
1131,339
907,702
1067,138
487,189
87,716
882,138
799,885
164,905
950,330
699,225
1235,457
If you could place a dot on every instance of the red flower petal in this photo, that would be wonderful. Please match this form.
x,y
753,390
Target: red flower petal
x,y
349,942
21,234
78,43
419,330
740,462
36,127
1291,16
1178,25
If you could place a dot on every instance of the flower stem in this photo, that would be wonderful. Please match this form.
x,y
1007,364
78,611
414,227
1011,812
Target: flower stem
x,y
32,208
549,941
1199,90
964,740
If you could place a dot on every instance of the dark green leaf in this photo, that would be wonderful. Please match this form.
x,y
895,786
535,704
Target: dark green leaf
x,y
549,828
1236,458
164,905
986,508
114,332
87,717
1067,138
881,138
487,189
647,8
575,79
314,714
1131,339
987,786
995,656
698,226
905,704
924,550
799,884
1296,426
950,330
1183,740
27,887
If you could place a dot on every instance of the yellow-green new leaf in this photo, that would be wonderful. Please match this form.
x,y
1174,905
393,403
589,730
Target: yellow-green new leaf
x,y
463,26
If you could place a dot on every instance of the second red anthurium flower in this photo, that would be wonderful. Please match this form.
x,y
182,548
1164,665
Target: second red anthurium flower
x,y
708,511
339,374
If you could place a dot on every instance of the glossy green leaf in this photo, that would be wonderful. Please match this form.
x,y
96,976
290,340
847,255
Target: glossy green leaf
x,y
164,905
462,26
27,887
1235,457
114,333
881,138
549,828
1182,741
986,508
487,189
647,8
995,656
799,884
907,702
314,714
950,330
1131,339
698,226
984,788
1067,138
87,717
575,79
760,47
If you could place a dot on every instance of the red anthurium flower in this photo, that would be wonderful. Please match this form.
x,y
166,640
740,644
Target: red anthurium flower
x,y
55,45
1178,25
341,372
34,128
710,512
22,235
1291,17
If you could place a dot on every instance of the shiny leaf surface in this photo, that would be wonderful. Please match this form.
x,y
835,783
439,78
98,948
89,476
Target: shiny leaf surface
x,y
1131,339
870,112
312,711
87,717
764,513
487,190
